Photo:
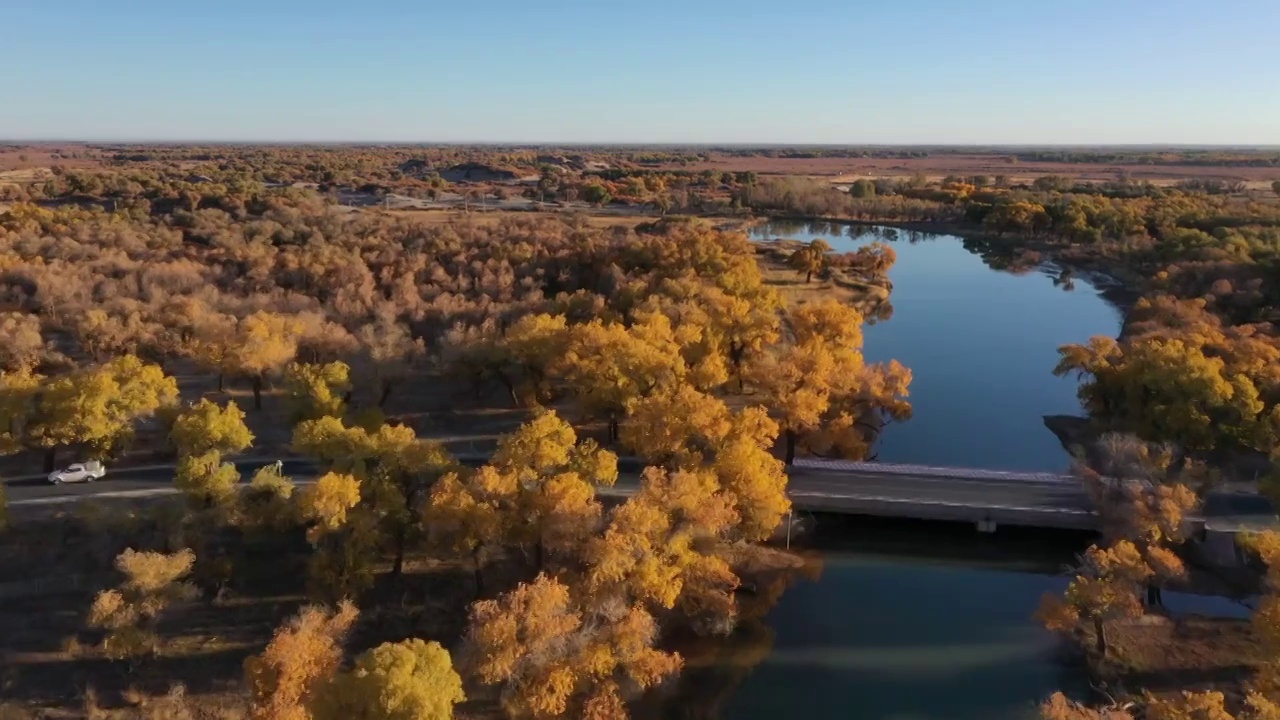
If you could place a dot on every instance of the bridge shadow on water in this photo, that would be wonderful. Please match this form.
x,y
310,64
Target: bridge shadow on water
x,y
894,619
928,542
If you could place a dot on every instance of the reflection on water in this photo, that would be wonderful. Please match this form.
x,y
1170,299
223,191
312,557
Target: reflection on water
x,y
980,329
927,621
898,620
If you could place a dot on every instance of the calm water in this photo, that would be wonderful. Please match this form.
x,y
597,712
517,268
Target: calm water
x,y
981,343
934,622
906,623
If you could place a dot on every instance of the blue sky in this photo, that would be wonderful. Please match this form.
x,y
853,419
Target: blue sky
x,y
800,71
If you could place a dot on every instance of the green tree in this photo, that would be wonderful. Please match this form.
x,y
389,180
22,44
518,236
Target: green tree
x,y
208,427
1168,390
596,194
863,188
408,680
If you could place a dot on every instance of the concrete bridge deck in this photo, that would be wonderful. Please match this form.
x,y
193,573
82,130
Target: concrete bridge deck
x,y
987,498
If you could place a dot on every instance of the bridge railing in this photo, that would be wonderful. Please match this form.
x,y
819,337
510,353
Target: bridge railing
x,y
879,468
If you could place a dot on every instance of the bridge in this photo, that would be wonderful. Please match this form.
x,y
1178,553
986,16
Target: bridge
x,y
987,498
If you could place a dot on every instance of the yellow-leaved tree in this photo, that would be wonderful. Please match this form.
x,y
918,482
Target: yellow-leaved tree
x,y
660,547
325,503
393,465
751,476
555,658
820,389
302,655
408,680
606,365
261,344
208,427
1142,493
675,427
18,393
153,583
97,407
315,391
810,259
466,511
1106,587
553,509
265,504
206,480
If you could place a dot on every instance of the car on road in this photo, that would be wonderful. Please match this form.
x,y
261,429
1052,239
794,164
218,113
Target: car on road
x,y
80,472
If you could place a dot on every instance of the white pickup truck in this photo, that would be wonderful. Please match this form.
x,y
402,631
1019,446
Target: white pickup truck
x,y
80,472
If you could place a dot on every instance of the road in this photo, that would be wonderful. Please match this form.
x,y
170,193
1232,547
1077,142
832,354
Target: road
x,y
1044,503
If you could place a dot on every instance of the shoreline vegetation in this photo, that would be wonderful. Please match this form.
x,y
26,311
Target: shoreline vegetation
x,y
191,303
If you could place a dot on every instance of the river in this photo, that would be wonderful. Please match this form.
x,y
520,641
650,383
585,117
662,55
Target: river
x,y
931,622
981,344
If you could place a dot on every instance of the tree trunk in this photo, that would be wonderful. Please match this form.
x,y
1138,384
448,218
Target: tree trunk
x,y
386,393
1100,636
791,447
736,352
539,555
479,571
50,459
808,277
613,428
257,392
401,537
222,382
510,386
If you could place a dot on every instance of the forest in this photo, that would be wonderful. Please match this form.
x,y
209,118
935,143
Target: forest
x,y
208,306
201,322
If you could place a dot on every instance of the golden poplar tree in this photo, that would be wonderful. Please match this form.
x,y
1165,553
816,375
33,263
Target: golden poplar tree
x,y
553,659
1106,587
408,680
302,655
208,427
153,583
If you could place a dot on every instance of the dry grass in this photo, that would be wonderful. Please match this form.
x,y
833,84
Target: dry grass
x,y
968,164
1161,655
871,299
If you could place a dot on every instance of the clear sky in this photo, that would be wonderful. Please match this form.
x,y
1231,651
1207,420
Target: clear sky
x,y
754,71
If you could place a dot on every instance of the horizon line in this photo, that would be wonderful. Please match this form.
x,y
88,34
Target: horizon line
x,y
670,144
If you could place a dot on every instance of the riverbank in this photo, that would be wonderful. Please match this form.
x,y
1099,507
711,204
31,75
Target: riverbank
x,y
1166,655
1118,284
871,296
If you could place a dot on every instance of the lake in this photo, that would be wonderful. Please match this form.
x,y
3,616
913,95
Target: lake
x,y
981,344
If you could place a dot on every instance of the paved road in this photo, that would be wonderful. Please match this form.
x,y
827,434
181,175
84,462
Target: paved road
x,y
930,495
